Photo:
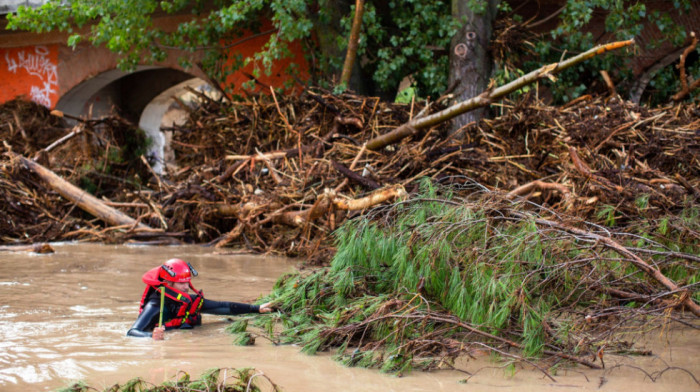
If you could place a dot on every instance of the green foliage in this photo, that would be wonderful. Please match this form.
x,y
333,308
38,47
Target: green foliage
x,y
243,339
606,213
623,20
672,234
236,380
394,43
667,82
642,202
470,260
240,325
126,27
80,386
406,95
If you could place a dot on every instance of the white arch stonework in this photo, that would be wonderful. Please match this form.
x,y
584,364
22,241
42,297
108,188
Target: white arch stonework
x,y
162,112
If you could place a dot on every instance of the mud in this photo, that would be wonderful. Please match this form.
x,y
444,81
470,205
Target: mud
x,y
65,316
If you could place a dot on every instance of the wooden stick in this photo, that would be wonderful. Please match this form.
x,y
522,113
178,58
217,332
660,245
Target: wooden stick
x,y
608,82
375,198
685,89
162,302
76,130
537,184
349,174
352,167
289,126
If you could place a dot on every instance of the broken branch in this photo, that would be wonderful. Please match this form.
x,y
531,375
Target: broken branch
x,y
488,96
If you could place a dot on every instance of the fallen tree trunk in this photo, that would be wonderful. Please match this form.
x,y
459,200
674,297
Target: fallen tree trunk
x,y
329,198
81,198
488,96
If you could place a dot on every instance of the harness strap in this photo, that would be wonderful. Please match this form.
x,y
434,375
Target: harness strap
x,y
189,305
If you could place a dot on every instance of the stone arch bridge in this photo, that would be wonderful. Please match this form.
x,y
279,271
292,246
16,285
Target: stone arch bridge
x,y
84,81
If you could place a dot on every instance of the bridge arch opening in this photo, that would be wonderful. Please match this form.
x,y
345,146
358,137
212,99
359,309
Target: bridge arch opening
x,y
144,97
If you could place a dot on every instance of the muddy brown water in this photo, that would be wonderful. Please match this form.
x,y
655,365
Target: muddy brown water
x,y
64,318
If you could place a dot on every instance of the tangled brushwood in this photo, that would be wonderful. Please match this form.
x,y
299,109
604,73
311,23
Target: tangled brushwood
x,y
255,174
458,270
219,380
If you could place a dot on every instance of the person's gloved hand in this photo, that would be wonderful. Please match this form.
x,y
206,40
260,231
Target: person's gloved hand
x,y
159,333
265,308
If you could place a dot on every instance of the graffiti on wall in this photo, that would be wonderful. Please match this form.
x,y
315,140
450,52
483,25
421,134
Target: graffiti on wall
x,y
30,71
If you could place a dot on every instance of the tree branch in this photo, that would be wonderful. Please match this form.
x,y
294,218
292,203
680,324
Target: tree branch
x,y
488,96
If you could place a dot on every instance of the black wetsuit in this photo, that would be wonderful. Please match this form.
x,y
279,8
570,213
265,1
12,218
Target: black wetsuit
x,y
148,319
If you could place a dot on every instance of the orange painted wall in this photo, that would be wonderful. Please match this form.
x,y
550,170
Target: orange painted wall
x,y
29,71
42,73
278,75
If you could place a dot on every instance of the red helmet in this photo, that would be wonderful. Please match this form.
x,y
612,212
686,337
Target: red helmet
x,y
176,270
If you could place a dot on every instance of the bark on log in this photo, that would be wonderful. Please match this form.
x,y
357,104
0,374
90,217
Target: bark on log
x,y
487,97
375,198
325,201
301,218
470,58
81,198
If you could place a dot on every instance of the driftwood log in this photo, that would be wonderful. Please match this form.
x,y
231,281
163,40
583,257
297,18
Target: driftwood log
x,y
81,198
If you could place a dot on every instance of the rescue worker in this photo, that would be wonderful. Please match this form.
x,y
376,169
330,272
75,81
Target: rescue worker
x,y
182,309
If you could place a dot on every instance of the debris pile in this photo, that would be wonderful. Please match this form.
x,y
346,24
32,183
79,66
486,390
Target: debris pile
x,y
278,174
436,277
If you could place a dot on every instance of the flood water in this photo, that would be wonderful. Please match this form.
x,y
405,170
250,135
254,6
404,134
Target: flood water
x,y
65,315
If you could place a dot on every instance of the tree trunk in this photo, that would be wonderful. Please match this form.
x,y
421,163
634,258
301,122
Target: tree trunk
x,y
352,43
327,38
470,60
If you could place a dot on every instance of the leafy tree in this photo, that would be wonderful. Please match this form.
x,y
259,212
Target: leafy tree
x,y
400,38
127,27
622,20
